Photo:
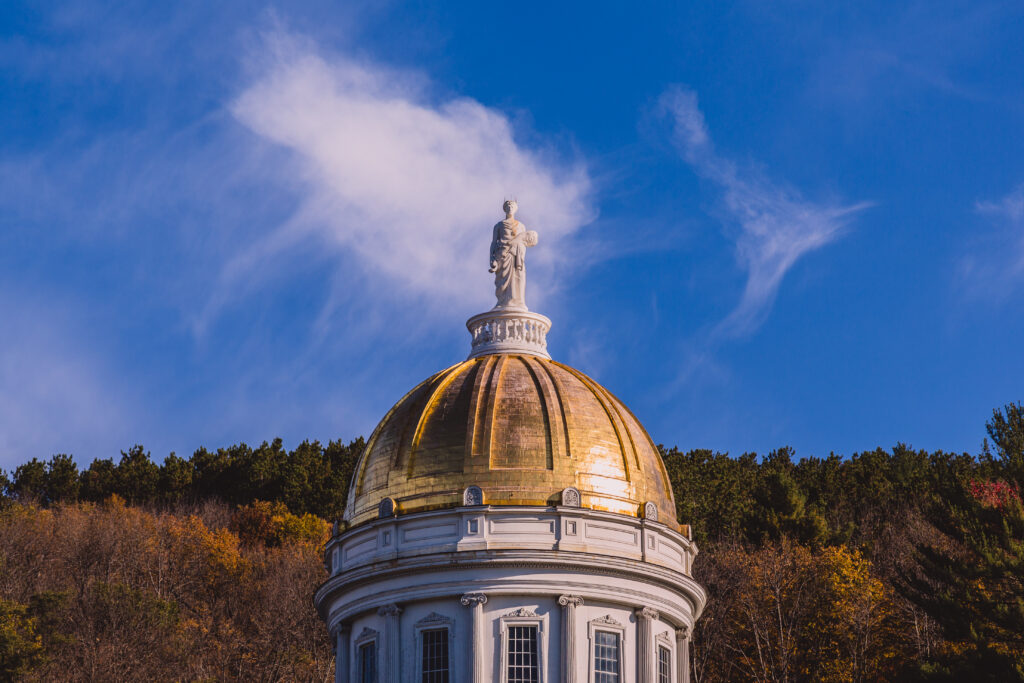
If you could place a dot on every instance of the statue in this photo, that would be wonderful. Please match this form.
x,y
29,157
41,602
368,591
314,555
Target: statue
x,y
508,259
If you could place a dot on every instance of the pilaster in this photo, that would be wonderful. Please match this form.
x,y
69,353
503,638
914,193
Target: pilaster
x,y
476,602
341,650
645,660
683,653
569,604
392,641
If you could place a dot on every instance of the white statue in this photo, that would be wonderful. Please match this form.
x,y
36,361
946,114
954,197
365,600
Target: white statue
x,y
508,258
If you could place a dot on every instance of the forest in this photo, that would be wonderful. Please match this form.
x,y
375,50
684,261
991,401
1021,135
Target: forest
x,y
886,565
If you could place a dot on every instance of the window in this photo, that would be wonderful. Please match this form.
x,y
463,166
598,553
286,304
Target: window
x,y
607,657
607,645
368,662
664,664
523,664
435,656
523,646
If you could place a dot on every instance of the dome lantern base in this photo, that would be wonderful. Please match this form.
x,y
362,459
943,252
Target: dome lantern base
x,y
509,331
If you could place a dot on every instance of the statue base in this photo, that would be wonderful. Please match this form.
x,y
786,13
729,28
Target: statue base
x,y
509,331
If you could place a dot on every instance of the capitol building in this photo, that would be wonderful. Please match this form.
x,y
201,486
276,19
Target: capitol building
x,y
510,521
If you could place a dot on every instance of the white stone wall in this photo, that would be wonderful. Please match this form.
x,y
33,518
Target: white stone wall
x,y
615,572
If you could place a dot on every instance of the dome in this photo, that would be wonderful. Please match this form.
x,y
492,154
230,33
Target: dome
x,y
522,428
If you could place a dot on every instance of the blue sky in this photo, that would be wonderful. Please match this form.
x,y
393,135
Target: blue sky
x,y
761,224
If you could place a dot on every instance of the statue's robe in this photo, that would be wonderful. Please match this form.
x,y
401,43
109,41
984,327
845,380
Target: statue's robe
x,y
508,263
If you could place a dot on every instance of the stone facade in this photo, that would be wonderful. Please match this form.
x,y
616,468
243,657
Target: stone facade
x,y
569,575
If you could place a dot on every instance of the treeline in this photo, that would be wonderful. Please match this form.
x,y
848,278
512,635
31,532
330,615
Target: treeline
x,y
885,565
109,592
311,479
881,566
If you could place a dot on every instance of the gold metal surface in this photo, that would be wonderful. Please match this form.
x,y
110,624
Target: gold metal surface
x,y
522,428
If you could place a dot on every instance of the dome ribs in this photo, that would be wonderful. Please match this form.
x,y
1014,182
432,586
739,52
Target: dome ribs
x,y
560,444
491,399
591,386
385,425
520,432
545,405
477,434
522,428
429,411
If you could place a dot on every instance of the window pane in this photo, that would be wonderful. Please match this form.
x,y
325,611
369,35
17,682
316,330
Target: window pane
x,y
435,656
368,663
523,662
606,657
664,665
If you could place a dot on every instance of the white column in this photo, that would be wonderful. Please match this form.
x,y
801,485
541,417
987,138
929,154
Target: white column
x,y
645,619
476,602
341,648
569,604
683,653
392,642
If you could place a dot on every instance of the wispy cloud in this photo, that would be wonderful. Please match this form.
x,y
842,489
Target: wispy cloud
x,y
406,184
993,266
777,226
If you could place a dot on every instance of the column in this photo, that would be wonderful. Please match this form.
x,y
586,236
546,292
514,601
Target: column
x,y
476,602
645,619
392,642
341,649
569,604
683,653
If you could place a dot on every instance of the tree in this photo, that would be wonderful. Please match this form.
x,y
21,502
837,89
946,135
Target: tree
x,y
972,580
137,476
62,480
21,647
30,480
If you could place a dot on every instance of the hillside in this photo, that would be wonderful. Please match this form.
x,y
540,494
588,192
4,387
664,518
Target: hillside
x,y
884,565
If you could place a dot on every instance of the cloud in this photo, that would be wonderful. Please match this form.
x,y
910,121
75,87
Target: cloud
x,y
776,225
994,264
405,184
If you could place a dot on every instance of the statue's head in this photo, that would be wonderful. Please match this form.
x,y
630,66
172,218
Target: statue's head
x,y
510,206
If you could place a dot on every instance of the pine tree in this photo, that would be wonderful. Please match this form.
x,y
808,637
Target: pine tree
x,y
972,582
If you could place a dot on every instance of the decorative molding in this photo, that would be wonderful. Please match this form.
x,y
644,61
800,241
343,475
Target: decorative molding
x,y
386,508
434,619
573,600
473,495
606,620
391,610
651,511
683,632
473,599
367,634
665,638
524,617
571,497
647,613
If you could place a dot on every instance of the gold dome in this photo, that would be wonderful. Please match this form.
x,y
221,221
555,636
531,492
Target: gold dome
x,y
522,428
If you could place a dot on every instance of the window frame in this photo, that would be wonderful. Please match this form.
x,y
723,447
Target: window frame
x,y
606,624
366,637
524,617
435,622
663,640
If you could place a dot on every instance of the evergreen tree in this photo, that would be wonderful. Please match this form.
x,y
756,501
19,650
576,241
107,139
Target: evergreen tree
x,y
972,582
